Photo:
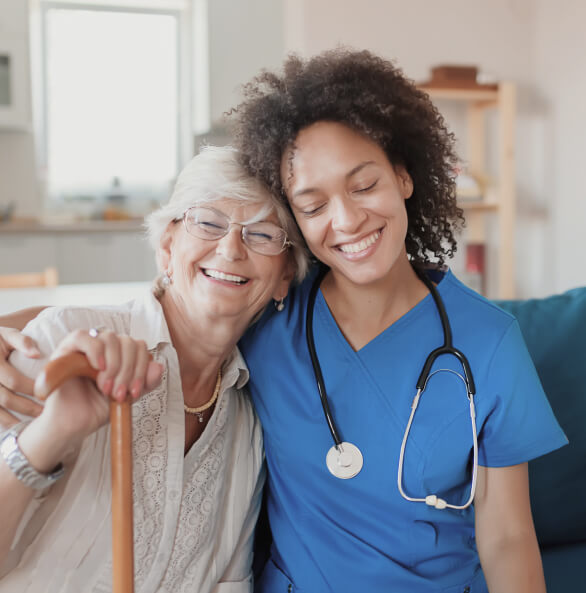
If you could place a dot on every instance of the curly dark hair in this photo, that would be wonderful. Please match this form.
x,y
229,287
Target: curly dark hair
x,y
372,96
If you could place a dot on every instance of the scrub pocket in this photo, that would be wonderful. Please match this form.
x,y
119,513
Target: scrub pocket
x,y
274,580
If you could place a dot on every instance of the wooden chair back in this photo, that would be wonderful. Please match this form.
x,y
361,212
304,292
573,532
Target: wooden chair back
x,y
48,277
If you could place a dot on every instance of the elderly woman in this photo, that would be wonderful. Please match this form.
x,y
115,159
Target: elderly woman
x,y
225,248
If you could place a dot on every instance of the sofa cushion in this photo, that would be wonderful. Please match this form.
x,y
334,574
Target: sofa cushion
x,y
555,331
564,567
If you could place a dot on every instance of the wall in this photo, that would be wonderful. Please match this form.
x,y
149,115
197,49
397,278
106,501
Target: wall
x,y
560,79
244,36
518,40
17,150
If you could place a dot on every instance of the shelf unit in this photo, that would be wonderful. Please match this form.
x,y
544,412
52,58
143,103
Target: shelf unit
x,y
499,195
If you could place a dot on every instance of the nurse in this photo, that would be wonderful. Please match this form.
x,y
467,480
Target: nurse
x,y
365,163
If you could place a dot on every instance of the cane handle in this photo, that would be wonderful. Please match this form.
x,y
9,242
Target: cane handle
x,y
58,370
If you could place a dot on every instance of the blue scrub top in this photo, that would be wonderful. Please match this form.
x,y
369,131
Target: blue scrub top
x,y
360,534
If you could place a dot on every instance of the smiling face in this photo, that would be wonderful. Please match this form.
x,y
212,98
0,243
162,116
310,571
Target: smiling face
x,y
349,202
223,277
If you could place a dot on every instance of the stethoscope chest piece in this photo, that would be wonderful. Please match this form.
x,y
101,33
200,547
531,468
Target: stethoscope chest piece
x,y
344,460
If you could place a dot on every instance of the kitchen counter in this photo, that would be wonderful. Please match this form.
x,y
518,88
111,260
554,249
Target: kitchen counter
x,y
80,226
12,299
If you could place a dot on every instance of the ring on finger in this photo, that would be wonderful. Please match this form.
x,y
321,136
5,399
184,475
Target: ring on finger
x,y
94,332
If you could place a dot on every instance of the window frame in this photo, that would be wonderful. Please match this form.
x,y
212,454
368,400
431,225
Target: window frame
x,y
181,10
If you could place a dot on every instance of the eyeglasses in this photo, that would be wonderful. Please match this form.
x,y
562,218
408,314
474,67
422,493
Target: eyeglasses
x,y
209,224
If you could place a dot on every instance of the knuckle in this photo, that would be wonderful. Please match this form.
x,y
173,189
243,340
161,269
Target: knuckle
x,y
7,420
9,382
108,335
112,338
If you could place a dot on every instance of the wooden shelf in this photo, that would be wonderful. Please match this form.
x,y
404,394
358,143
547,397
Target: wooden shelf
x,y
501,204
490,96
478,206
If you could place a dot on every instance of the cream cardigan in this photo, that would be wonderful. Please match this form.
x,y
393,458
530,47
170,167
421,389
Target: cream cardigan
x,y
194,515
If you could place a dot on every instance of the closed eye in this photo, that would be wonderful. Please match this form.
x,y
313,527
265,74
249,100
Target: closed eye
x,y
312,211
211,228
259,236
209,225
365,189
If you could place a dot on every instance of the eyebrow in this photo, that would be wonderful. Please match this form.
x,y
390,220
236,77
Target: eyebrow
x,y
309,190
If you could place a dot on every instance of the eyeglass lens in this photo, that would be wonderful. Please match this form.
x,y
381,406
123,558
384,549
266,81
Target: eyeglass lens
x,y
210,224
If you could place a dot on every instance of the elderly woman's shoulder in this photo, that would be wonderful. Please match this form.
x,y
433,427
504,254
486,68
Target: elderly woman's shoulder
x,y
54,323
80,317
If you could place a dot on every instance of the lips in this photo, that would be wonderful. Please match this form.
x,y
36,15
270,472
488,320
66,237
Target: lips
x,y
361,245
224,277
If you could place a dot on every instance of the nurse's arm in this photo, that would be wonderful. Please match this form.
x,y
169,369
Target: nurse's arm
x,y
505,534
18,319
12,381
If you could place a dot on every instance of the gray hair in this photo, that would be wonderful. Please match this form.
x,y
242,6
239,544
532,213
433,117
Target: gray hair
x,y
215,174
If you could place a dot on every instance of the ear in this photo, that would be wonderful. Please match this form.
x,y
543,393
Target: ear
x,y
287,276
165,250
405,181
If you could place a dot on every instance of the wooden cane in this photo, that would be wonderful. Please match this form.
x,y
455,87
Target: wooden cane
x,y
76,365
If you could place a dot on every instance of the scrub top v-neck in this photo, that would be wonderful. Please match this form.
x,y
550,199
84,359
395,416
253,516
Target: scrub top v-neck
x,y
360,534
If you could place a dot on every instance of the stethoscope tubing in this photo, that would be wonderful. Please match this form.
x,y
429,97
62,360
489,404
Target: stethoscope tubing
x,y
321,385
432,499
423,379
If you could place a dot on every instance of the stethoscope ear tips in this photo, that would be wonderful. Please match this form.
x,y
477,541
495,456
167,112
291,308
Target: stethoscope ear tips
x,y
433,501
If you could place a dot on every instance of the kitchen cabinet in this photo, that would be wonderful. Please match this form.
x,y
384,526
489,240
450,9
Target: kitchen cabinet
x,y
20,253
91,255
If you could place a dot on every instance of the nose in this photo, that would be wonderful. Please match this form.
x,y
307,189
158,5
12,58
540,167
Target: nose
x,y
230,246
347,215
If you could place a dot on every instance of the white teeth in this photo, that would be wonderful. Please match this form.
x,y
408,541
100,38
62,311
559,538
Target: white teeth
x,y
221,276
361,245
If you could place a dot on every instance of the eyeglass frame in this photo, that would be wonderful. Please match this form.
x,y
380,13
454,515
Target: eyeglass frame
x,y
284,247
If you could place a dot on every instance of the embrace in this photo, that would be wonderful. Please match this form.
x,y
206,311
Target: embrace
x,y
338,196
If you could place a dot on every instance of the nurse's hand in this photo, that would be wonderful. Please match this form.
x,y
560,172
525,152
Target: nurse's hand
x,y
12,382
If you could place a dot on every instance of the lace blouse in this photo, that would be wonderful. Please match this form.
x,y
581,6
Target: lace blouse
x,y
194,515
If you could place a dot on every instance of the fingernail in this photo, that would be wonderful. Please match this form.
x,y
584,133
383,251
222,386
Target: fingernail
x,y
107,388
135,389
120,392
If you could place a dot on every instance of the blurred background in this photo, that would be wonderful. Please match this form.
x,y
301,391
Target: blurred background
x,y
102,102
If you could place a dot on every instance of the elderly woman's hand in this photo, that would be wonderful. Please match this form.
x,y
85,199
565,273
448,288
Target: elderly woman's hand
x,y
80,406
12,382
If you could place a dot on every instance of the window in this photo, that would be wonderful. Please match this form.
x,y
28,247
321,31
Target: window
x,y
111,96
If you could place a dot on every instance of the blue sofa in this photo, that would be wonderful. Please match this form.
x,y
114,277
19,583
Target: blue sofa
x,y
555,331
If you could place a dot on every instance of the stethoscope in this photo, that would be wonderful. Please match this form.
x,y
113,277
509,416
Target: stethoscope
x,y
344,460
